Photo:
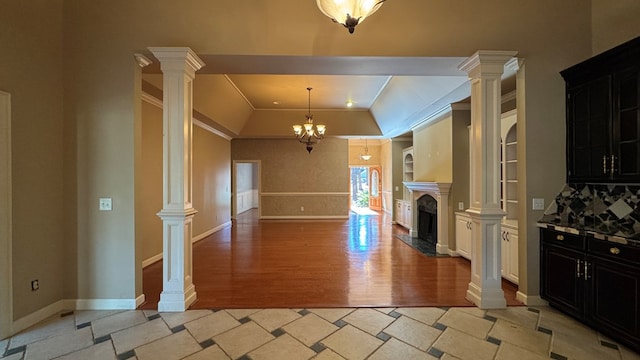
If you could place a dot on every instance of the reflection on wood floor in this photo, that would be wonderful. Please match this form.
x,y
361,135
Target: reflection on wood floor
x,y
302,264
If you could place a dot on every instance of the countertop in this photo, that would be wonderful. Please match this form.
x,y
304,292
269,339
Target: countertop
x,y
591,233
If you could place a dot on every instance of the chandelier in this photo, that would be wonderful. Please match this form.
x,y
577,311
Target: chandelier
x,y
349,13
309,135
366,156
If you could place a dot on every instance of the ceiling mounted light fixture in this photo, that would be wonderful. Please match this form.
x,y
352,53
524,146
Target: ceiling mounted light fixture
x,y
310,135
349,13
366,156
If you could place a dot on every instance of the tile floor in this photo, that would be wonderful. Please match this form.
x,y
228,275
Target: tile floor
x,y
355,333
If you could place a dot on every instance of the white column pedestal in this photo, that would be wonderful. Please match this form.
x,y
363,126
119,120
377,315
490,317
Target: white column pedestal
x,y
178,291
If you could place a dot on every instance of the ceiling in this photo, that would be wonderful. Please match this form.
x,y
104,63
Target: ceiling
x,y
262,96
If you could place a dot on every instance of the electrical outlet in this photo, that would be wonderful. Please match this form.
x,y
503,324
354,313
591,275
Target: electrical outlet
x,y
538,204
461,205
105,204
35,285
397,188
301,208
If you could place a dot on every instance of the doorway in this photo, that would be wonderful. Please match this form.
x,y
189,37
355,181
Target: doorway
x,y
246,186
6,285
365,189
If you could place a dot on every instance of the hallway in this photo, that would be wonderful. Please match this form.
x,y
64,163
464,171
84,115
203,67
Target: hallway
x,y
344,263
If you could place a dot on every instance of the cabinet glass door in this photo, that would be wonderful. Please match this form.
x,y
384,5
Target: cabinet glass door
x,y
589,116
626,163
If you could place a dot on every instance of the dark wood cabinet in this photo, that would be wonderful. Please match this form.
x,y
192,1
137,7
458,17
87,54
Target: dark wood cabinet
x,y
603,116
562,284
595,281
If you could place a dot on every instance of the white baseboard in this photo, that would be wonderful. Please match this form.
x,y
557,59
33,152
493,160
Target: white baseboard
x,y
530,300
40,315
158,257
108,304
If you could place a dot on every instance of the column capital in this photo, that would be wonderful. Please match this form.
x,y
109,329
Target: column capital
x,y
177,58
486,62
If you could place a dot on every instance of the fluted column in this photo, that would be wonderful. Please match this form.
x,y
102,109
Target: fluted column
x,y
485,69
178,66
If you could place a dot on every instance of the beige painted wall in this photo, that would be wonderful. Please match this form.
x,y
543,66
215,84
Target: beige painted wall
x,y
31,71
211,181
433,152
613,23
149,196
292,178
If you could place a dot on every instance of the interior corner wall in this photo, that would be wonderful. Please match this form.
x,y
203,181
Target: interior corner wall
x,y
296,184
31,70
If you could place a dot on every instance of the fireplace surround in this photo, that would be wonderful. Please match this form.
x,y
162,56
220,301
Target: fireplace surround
x,y
440,192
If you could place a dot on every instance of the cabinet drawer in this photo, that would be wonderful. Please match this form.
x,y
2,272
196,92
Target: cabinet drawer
x,y
563,239
613,251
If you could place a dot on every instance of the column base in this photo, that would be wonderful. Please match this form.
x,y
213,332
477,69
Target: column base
x,y
442,249
177,301
486,298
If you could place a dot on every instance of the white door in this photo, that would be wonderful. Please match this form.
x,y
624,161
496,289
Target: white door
x,y
6,289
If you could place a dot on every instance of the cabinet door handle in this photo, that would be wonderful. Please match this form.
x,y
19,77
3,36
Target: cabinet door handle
x,y
613,164
578,275
604,164
560,237
506,235
586,271
614,251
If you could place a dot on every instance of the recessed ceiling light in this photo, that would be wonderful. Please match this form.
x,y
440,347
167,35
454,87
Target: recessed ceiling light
x,y
349,103
276,103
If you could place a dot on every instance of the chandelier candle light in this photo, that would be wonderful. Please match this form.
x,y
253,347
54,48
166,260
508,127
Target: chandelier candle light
x,y
349,13
310,135
366,156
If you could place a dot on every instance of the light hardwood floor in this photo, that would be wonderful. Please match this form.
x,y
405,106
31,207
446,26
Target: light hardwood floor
x,y
297,264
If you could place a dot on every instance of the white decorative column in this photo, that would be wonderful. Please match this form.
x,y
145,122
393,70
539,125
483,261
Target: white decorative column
x,y
178,66
485,69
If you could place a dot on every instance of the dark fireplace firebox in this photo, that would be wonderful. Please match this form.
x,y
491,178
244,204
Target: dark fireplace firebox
x,y
427,218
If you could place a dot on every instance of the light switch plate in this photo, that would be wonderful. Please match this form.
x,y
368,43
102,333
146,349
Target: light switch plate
x,y
538,204
105,204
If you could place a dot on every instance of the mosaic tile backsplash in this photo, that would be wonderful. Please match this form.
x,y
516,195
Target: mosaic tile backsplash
x,y
607,209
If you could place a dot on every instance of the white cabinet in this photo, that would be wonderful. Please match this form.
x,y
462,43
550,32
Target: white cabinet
x,y
510,253
509,165
463,235
404,215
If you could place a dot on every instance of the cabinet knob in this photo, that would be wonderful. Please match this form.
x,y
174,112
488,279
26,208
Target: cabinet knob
x,y
614,251
560,237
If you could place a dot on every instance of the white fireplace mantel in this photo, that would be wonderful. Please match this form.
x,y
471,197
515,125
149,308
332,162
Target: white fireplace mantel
x,y
440,192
